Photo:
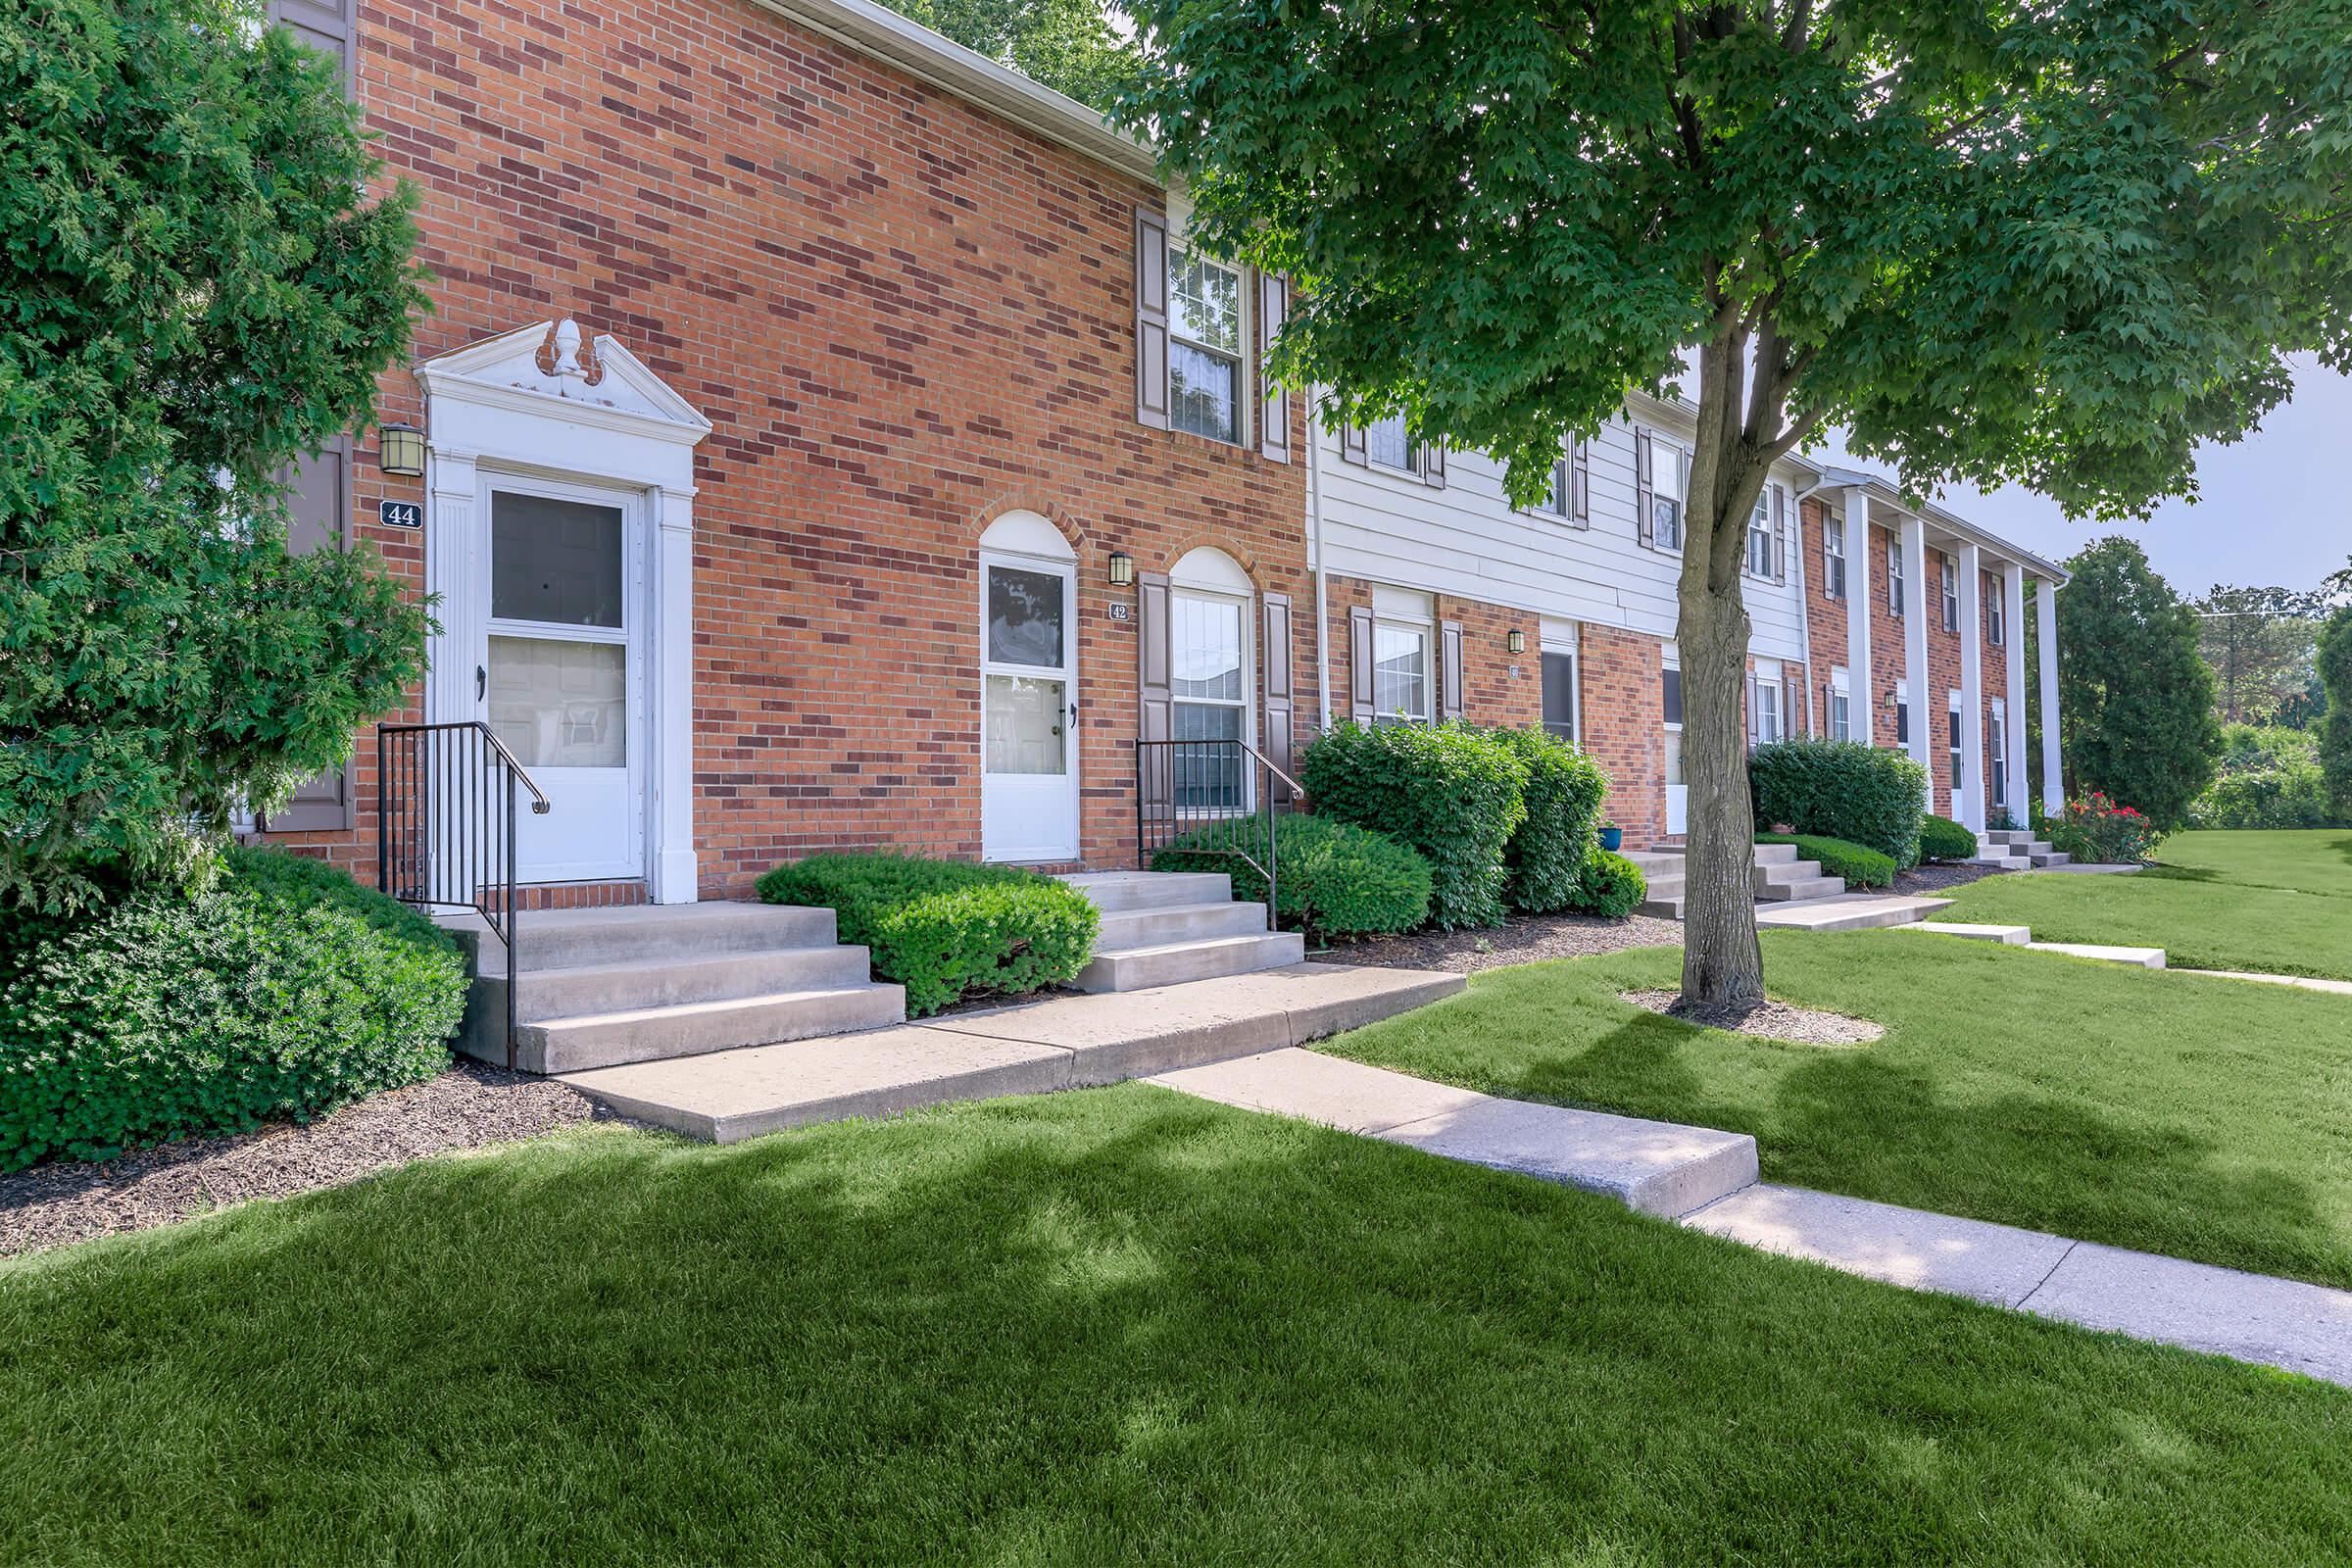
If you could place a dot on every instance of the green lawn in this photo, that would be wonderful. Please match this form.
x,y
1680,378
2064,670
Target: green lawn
x,y
1102,1327
2207,1119
2280,902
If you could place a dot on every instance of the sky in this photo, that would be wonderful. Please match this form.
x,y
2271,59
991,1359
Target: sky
x,y
2275,508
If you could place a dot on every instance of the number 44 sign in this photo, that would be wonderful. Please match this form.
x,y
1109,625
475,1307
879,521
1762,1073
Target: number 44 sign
x,y
400,514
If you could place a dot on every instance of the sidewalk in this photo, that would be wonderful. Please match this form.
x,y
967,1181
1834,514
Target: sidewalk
x,y
1706,1180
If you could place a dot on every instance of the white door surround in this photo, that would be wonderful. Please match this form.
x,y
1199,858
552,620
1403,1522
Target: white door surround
x,y
1027,646
539,410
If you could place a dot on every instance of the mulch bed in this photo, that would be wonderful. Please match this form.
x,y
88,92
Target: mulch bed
x,y
466,1107
1522,939
1927,879
1770,1020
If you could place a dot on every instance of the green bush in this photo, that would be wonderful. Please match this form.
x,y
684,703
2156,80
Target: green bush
x,y
285,990
2094,830
1564,790
1335,879
1860,866
1942,838
1451,791
947,929
2270,778
1841,790
1610,885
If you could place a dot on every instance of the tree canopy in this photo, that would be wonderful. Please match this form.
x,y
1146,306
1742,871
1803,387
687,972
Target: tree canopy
x,y
1069,45
2258,643
196,292
2135,699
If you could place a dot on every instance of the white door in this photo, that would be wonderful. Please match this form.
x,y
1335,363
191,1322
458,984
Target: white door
x,y
1028,708
561,676
1678,792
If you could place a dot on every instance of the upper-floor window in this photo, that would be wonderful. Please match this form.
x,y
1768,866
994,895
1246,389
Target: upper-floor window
x,y
1894,576
1950,576
1759,537
1996,625
1205,345
1666,480
1568,498
1388,443
1832,546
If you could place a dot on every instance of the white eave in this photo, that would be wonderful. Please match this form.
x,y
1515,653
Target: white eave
x,y
1959,527
916,50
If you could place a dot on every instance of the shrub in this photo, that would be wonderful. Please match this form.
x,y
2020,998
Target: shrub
x,y
1942,838
1451,792
1546,854
947,929
1862,867
285,990
2096,829
1334,879
1841,790
1610,885
2292,795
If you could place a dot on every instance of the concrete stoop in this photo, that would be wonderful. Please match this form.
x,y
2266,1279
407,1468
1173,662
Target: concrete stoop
x,y
1031,1048
2017,850
1780,878
1164,928
597,988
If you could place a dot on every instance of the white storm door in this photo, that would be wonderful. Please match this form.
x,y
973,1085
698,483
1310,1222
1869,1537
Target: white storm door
x,y
562,678
1028,710
1678,789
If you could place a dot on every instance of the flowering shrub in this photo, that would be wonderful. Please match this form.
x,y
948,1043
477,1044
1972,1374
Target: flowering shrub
x,y
2096,828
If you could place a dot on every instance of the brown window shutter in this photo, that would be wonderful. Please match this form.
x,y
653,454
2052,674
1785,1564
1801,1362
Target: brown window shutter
x,y
1449,666
1359,663
1750,704
1642,480
1794,720
1351,446
1580,484
319,518
1276,657
1780,534
1274,408
1433,464
330,27
1154,774
1151,319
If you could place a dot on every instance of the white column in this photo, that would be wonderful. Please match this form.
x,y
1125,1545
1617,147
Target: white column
x,y
1925,716
670,814
1970,806
2045,618
2013,635
1861,690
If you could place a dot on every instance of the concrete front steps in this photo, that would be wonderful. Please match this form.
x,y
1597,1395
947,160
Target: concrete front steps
x,y
2016,850
597,988
1162,928
1780,878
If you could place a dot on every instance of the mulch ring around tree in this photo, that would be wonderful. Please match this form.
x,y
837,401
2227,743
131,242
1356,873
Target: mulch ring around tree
x,y
1768,1020
468,1107
1521,939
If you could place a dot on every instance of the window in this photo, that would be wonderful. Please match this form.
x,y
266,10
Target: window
x,y
1210,682
1996,753
1565,500
1670,697
1995,626
1954,743
1386,444
1902,720
1950,578
1204,347
1400,672
1833,548
1559,694
1894,576
1666,497
1842,707
1767,696
1759,536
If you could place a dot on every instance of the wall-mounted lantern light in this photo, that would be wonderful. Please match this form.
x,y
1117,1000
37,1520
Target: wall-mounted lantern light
x,y
400,451
1515,640
1122,570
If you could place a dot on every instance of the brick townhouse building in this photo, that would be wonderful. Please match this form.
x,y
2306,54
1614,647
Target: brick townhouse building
x,y
830,441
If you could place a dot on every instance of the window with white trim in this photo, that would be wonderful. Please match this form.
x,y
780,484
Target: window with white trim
x,y
1208,668
1894,576
1561,693
1670,704
1996,753
1764,692
1832,548
1668,472
1949,572
1842,705
1759,536
1561,500
1902,718
1953,742
1205,335
1387,444
1996,625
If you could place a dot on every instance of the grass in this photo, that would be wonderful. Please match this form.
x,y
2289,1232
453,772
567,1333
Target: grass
x,y
1113,1326
2275,902
2207,1119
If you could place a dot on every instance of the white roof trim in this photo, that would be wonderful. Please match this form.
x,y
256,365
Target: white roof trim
x,y
914,48
1959,527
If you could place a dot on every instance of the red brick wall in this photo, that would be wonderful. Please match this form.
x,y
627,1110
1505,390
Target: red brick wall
x,y
1943,678
902,316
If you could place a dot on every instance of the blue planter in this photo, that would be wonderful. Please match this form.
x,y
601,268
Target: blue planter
x,y
1612,839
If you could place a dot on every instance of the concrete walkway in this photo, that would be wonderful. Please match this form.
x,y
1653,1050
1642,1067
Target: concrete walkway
x,y
2302,982
1031,1048
1706,1180
1849,911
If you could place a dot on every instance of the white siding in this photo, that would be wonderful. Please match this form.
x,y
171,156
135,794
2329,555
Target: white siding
x,y
1466,540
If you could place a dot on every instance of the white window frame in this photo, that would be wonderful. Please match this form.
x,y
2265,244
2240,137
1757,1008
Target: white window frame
x,y
1832,555
1240,605
1955,737
1902,720
1760,534
1764,688
1996,620
1996,757
1181,251
1563,639
1841,705
1412,464
1671,659
1894,575
1665,457
1947,585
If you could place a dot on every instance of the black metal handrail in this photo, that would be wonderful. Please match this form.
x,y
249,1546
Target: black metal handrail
x,y
445,800
1215,798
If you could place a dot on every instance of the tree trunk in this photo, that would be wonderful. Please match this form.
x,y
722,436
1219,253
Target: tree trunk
x,y
1722,962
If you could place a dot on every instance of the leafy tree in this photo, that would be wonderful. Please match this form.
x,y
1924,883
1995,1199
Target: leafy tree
x,y
2134,699
2335,729
1069,45
2053,245
195,292
2258,644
